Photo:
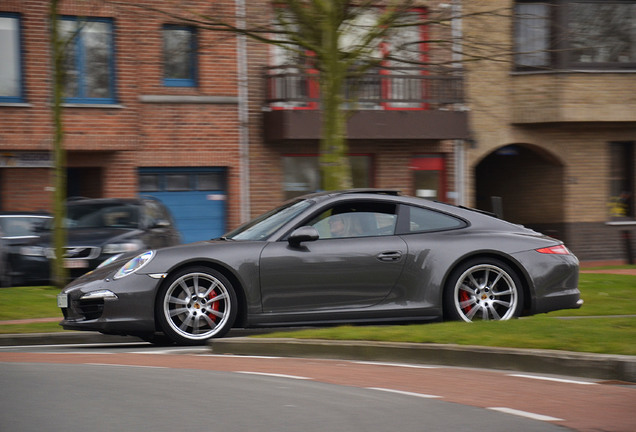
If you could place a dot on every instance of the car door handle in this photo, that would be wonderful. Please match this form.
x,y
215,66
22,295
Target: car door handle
x,y
389,256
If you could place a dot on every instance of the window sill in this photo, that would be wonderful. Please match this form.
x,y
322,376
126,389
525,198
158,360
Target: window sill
x,y
92,105
572,71
621,223
177,99
15,104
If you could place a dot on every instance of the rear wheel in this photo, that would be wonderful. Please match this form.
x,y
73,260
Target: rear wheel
x,y
483,289
196,304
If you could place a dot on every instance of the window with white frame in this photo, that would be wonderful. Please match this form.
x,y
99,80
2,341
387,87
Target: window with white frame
x,y
11,64
88,60
397,81
179,56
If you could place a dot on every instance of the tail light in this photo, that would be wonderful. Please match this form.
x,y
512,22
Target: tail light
x,y
554,250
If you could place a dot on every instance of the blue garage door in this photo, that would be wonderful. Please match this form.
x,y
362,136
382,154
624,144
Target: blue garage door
x,y
195,196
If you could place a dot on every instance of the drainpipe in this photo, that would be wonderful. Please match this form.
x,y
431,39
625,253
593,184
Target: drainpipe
x,y
459,147
243,113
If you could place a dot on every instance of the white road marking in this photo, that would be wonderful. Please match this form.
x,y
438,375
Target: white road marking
x,y
238,356
125,365
559,380
421,395
274,375
526,414
404,365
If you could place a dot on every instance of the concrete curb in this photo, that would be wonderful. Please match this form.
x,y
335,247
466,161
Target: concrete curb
x,y
62,338
599,366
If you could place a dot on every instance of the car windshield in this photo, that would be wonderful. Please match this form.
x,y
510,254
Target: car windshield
x,y
264,226
22,226
101,215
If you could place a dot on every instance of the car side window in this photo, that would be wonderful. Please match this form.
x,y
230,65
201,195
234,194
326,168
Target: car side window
x,y
154,213
422,220
359,219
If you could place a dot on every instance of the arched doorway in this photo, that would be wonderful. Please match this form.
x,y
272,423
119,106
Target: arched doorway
x,y
525,182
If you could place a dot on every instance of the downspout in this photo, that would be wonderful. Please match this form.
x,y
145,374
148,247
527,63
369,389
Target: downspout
x,y
459,145
243,113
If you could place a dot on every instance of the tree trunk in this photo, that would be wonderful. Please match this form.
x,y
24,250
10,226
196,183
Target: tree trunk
x,y
58,271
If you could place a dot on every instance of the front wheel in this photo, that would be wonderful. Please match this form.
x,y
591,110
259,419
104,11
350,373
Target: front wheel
x,y
196,304
481,290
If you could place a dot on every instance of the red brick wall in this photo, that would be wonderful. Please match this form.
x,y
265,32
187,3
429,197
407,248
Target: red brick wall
x,y
121,137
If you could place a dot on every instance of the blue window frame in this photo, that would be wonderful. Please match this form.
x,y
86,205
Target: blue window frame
x,y
179,56
89,60
11,78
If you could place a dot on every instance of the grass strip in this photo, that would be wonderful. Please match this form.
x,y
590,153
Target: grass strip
x,y
594,335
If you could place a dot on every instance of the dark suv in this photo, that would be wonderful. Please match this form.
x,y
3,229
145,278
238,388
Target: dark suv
x,y
97,230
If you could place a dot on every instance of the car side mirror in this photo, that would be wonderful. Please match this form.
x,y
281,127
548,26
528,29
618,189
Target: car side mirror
x,y
303,234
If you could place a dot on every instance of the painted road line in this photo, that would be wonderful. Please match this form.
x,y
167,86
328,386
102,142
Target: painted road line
x,y
559,380
125,365
533,416
405,393
403,365
273,375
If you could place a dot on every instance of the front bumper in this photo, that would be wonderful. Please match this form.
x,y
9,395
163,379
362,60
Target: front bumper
x,y
96,302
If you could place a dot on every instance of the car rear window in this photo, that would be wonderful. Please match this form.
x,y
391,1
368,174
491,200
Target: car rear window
x,y
423,220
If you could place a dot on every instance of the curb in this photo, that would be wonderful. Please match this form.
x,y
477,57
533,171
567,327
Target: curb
x,y
599,366
62,338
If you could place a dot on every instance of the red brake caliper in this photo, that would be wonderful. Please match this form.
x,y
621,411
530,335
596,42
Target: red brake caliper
x,y
214,306
464,296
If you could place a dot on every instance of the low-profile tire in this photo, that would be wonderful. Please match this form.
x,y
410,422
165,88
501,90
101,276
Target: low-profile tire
x,y
483,289
195,305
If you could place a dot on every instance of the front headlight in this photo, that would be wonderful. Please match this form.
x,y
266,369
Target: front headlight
x,y
118,248
33,251
134,264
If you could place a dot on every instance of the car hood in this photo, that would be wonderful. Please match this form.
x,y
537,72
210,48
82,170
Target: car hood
x,y
93,236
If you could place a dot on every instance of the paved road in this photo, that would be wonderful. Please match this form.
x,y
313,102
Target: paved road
x,y
539,402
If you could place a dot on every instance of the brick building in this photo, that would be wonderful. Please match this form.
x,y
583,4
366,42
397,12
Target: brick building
x,y
554,125
224,127
211,123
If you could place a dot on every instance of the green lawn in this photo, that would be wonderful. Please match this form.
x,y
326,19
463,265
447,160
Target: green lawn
x,y
609,300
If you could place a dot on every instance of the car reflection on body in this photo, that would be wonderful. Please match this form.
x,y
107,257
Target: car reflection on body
x,y
357,256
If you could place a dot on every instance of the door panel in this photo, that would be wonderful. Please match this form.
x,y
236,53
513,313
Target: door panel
x,y
330,273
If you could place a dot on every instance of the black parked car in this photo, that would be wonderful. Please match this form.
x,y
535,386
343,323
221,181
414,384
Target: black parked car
x,y
99,229
16,230
334,257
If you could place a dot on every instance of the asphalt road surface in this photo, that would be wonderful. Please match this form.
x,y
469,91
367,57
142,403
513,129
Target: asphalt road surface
x,y
138,387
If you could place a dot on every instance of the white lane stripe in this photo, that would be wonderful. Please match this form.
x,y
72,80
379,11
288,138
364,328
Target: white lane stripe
x,y
405,393
125,365
404,365
560,380
273,375
533,416
238,356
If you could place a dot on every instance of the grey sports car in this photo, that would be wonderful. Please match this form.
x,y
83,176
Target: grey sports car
x,y
354,256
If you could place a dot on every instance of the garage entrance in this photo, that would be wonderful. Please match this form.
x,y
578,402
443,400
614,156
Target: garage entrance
x,y
525,183
195,196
